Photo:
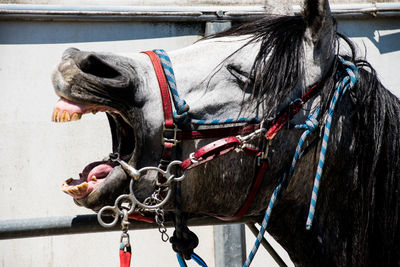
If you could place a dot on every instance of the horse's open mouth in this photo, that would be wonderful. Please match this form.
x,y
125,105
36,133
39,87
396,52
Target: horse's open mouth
x,y
95,175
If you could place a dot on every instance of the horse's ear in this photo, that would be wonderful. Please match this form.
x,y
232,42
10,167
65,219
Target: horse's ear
x,y
317,15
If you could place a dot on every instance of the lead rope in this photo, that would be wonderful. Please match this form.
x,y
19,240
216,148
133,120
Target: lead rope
x,y
310,125
341,87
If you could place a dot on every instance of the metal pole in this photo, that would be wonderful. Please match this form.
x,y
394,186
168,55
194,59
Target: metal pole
x,y
229,245
66,225
176,13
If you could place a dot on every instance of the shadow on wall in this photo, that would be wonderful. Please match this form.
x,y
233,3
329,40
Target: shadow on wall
x,y
76,32
383,33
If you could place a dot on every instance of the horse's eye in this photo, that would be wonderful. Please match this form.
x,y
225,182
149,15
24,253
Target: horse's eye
x,y
243,78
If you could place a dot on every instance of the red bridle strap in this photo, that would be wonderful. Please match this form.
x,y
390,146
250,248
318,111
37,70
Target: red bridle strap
x,y
164,90
167,108
287,115
210,152
217,132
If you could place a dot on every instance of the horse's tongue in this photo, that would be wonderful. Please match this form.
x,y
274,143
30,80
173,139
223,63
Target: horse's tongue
x,y
64,104
65,110
100,171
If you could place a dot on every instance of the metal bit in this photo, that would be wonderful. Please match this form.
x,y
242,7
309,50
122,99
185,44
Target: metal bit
x,y
131,171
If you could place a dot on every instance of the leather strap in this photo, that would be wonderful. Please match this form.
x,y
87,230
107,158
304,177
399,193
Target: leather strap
x,y
251,195
125,258
139,217
164,90
284,117
210,152
167,108
217,132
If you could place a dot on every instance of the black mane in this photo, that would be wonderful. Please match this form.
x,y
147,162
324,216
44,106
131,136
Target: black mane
x,y
281,41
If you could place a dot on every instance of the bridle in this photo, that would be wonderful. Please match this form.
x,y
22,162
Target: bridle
x,y
231,138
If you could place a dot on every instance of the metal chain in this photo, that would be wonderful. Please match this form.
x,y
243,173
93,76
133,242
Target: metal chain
x,y
160,219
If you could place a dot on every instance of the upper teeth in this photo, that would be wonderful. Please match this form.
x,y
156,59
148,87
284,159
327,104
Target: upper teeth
x,y
64,116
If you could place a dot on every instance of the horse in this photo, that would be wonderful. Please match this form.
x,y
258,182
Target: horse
x,y
257,70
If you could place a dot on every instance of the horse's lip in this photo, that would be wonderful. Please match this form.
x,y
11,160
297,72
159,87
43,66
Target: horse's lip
x,y
96,174
91,177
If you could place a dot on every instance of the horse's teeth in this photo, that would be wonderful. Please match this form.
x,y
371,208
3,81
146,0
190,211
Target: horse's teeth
x,y
73,190
69,180
65,116
94,111
94,178
83,187
76,116
54,117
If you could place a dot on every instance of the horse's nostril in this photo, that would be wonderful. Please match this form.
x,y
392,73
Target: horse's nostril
x,y
68,52
97,67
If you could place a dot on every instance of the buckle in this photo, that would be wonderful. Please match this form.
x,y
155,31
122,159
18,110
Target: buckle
x,y
173,140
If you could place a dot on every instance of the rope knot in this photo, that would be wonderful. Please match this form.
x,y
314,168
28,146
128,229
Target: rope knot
x,y
185,244
311,123
349,77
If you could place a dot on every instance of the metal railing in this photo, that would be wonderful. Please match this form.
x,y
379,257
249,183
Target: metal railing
x,y
81,224
176,13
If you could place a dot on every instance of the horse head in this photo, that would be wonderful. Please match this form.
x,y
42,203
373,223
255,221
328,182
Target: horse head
x,y
216,77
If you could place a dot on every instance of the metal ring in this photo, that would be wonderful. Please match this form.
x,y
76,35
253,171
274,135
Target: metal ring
x,y
126,198
156,206
152,169
169,180
115,213
180,178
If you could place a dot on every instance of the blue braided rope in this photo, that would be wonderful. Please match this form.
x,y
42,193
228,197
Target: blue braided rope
x,y
181,261
263,226
194,257
198,259
225,121
341,87
180,105
310,125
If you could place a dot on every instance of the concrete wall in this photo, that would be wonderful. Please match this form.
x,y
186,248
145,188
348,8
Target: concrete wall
x,y
37,155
